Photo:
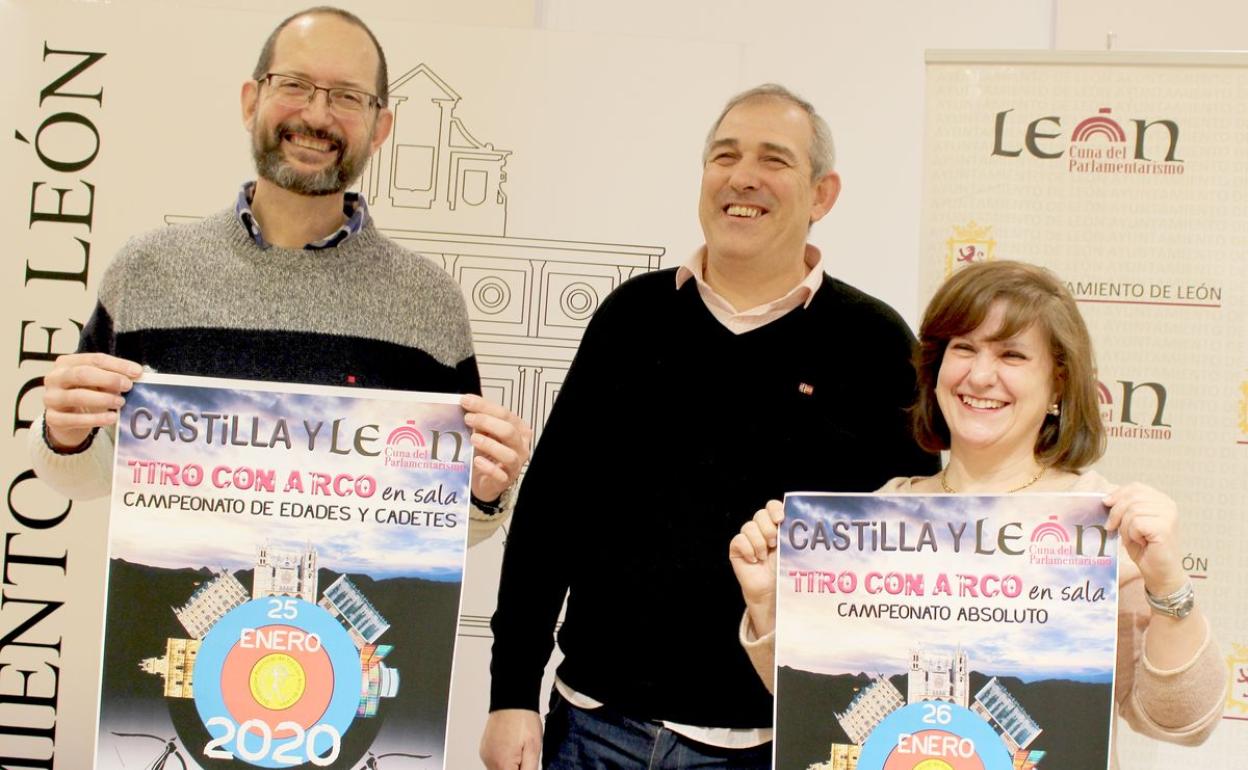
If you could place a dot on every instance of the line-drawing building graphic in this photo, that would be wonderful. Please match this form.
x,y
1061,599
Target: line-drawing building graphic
x,y
441,191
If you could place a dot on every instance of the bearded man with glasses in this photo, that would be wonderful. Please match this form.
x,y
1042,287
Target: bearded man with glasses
x,y
291,284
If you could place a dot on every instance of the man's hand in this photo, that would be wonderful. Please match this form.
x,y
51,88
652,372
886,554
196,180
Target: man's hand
x,y
752,553
501,442
83,392
512,740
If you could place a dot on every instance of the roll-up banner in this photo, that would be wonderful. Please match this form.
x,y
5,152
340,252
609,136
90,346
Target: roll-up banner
x,y
1127,175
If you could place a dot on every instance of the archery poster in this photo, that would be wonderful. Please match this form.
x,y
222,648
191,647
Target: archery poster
x,y
945,632
284,576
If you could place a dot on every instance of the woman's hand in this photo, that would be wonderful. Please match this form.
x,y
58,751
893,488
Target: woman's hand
x,y
1147,522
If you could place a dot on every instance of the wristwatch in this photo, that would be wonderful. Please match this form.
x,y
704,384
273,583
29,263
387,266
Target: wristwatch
x,y
489,509
1177,605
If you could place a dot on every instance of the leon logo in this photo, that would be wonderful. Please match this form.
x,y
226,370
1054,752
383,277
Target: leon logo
x,y
1099,144
972,243
1050,532
406,446
1051,543
1135,410
1237,695
406,435
1243,413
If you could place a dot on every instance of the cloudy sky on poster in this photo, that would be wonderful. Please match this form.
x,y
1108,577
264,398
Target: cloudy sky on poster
x,y
1077,641
363,543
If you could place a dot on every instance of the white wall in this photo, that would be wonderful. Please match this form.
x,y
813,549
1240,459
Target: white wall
x,y
1152,25
861,65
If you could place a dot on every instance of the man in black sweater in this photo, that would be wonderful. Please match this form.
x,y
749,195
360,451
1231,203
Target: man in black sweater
x,y
696,395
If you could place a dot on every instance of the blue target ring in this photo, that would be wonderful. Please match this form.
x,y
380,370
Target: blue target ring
x,y
916,718
210,689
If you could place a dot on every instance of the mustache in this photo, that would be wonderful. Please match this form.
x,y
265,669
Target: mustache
x,y
296,127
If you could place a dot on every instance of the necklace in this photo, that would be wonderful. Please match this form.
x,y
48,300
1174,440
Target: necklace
x,y
944,484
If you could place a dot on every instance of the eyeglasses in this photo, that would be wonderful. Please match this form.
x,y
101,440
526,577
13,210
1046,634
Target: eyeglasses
x,y
297,92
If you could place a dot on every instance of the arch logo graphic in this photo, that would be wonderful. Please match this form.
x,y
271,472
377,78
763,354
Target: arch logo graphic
x,y
407,447
1098,144
1051,543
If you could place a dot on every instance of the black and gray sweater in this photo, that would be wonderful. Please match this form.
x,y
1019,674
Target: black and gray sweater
x,y
203,299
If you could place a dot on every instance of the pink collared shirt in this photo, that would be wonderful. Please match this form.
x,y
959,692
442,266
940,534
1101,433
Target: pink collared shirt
x,y
741,321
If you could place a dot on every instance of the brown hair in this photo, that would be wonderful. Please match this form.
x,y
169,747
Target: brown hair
x,y
266,52
1030,295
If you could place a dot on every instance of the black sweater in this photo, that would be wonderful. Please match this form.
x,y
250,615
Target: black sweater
x,y
669,432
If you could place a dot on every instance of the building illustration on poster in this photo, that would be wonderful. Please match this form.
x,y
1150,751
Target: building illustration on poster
x,y
934,677
342,600
285,573
176,667
210,603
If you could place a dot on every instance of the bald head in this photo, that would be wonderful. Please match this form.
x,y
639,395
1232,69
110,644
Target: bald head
x,y
265,62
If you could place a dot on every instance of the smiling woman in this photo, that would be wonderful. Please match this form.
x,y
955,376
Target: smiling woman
x,y
1005,372
1007,384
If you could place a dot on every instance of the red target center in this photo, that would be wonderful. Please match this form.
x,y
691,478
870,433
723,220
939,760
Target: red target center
x,y
261,659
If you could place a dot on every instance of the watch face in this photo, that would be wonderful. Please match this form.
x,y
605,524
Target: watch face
x,y
1176,606
1184,608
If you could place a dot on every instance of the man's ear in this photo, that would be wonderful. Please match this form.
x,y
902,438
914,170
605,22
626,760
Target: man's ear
x,y
250,100
827,190
381,131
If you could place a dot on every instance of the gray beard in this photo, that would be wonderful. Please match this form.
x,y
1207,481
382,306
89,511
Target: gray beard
x,y
272,166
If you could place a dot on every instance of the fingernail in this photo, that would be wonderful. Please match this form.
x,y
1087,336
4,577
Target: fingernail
x,y
477,439
119,402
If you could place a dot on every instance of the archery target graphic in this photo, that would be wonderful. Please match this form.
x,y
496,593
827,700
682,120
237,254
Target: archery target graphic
x,y
277,678
963,741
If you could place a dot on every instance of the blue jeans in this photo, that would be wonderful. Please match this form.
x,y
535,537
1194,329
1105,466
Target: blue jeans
x,y
604,739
